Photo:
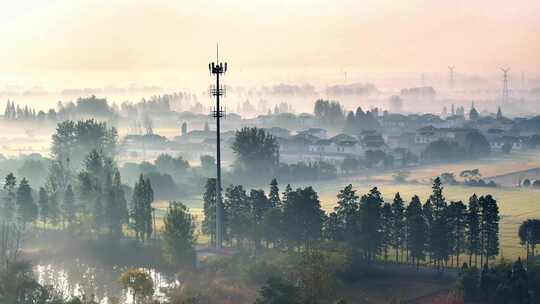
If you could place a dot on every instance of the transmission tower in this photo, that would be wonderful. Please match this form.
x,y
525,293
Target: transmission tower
x,y
217,69
451,69
505,91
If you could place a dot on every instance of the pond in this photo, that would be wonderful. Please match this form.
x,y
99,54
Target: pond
x,y
76,278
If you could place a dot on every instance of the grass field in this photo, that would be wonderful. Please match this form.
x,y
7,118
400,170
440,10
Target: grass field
x,y
515,204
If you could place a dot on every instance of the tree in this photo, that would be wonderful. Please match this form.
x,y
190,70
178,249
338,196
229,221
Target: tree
x,y
208,163
116,213
303,217
387,219
398,224
273,195
238,214
68,206
457,212
272,226
529,235
476,144
257,152
259,207
43,203
143,196
175,166
27,210
489,226
329,113
72,141
179,235
139,283
9,207
370,223
278,291
442,150
440,229
209,207
347,213
417,232
473,231
427,210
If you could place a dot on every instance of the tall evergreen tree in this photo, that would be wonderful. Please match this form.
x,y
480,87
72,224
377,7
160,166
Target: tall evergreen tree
x,y
417,232
473,229
303,217
427,210
440,230
489,226
387,230
27,210
9,207
238,212
370,223
397,233
273,195
116,207
209,199
458,225
348,206
259,207
141,213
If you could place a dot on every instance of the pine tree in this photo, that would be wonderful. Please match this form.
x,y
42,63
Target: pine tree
x,y
7,111
370,223
68,206
473,229
238,212
273,195
303,217
489,226
43,203
397,234
179,235
440,230
427,210
347,208
209,199
27,210
387,229
9,207
458,225
285,194
417,232
259,206
141,214
116,206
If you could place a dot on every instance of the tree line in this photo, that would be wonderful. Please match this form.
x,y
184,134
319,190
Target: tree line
x,y
95,204
439,232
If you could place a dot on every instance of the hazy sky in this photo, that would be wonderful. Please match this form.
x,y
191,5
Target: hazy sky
x,y
67,43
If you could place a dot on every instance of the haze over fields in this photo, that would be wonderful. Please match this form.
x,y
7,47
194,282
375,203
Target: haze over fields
x,y
56,45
